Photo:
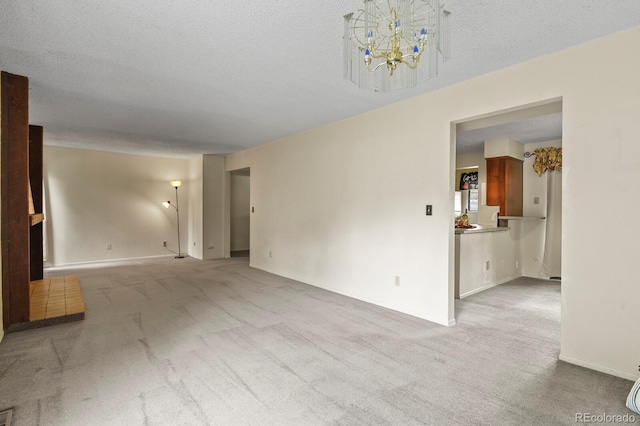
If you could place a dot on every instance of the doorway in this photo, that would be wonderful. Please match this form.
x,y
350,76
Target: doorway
x,y
523,250
239,217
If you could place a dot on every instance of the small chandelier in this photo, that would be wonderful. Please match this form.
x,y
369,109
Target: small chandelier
x,y
385,41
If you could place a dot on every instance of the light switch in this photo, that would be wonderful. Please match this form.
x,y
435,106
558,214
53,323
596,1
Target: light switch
x,y
429,210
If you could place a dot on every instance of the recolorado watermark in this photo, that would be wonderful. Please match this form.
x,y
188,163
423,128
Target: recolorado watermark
x,y
604,418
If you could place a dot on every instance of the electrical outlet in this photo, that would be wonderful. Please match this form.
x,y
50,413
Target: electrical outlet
x,y
108,246
269,253
517,264
536,200
164,244
487,265
397,282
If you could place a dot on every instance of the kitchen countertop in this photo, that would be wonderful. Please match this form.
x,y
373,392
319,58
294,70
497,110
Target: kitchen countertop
x,y
521,217
480,229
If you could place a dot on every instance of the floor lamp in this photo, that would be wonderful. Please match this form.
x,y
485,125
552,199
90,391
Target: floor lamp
x,y
176,184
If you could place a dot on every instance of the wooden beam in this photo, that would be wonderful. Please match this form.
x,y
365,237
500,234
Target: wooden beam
x,y
14,226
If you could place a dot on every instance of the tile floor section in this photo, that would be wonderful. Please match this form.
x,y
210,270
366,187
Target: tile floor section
x,y
55,297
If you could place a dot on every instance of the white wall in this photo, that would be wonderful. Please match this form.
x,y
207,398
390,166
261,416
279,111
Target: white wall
x,y
240,212
473,250
195,207
214,206
503,148
342,206
94,198
333,209
206,208
533,231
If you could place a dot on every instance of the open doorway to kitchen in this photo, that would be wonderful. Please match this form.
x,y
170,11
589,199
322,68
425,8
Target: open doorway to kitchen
x,y
239,217
516,232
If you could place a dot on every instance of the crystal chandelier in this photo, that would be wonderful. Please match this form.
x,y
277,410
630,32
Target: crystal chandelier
x,y
385,41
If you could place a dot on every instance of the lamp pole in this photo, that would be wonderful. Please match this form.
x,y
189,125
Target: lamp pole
x,y
179,256
176,184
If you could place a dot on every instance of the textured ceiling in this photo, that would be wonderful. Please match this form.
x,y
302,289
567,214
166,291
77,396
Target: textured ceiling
x,y
182,78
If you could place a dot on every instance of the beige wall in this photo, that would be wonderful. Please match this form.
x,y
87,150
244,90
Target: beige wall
x,y
94,198
207,206
214,206
342,206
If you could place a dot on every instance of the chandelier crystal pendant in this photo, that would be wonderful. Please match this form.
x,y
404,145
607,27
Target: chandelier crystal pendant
x,y
385,41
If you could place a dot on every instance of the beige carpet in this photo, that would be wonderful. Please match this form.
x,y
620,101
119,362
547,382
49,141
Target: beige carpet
x,y
187,342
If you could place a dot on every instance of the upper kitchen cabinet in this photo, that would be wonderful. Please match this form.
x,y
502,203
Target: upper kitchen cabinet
x,y
504,185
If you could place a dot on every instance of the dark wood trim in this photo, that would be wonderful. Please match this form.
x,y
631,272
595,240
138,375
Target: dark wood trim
x,y
36,136
45,322
14,227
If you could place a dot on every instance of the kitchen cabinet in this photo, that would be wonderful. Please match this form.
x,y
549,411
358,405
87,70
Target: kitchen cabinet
x,y
504,185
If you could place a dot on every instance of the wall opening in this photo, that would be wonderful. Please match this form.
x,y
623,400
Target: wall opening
x,y
240,213
482,260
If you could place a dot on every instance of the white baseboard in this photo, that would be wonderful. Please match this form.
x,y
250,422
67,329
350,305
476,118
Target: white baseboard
x,y
488,286
96,262
600,368
415,312
452,321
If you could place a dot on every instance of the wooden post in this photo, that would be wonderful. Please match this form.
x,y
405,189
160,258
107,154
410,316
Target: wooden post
x,y
14,227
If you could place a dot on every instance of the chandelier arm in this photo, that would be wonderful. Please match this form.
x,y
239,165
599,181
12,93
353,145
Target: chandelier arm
x,y
376,67
410,65
412,55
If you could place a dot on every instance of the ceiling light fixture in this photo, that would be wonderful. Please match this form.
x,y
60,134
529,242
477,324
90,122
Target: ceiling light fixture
x,y
385,41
